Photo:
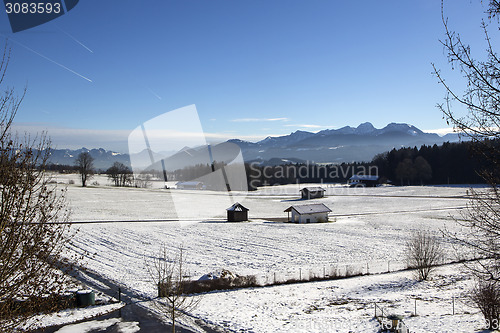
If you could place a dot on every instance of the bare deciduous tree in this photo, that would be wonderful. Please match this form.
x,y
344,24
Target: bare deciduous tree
x,y
481,93
31,243
169,275
480,97
85,163
143,180
120,174
423,169
423,253
480,234
406,170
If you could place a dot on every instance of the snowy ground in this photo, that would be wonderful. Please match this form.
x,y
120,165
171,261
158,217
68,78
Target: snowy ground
x,y
101,326
72,315
368,233
346,305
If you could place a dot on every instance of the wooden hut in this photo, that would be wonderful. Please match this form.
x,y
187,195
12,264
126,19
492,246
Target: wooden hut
x,y
312,192
308,213
363,181
237,213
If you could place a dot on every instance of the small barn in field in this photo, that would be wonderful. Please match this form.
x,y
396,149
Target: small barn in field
x,y
312,192
363,180
190,185
308,213
237,213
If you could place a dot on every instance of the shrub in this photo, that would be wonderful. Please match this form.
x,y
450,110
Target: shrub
x,y
486,296
423,253
201,286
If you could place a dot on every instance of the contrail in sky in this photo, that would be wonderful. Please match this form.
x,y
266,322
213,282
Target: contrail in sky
x,y
76,40
47,58
157,96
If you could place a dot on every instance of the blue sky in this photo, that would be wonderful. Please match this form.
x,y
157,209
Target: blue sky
x,y
252,68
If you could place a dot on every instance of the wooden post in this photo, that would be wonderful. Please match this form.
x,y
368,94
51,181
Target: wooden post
x,y
274,277
453,304
375,309
388,266
415,306
367,269
324,272
300,274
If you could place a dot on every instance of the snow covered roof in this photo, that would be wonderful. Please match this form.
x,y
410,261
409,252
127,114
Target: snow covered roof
x,y
313,189
237,207
364,177
309,209
220,274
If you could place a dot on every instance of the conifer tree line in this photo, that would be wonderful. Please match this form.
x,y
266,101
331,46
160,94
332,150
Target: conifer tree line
x,y
450,163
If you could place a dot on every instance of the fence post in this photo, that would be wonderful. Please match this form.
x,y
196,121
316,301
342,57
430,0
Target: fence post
x,y
388,266
300,274
367,269
274,277
415,306
324,272
375,309
453,302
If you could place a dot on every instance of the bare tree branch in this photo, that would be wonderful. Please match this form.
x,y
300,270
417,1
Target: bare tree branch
x,y
170,276
31,243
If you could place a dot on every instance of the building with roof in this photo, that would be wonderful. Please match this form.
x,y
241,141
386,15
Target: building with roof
x,y
312,192
308,213
363,180
237,213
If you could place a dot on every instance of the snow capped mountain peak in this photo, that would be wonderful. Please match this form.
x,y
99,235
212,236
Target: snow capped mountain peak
x,y
302,134
237,141
401,127
345,130
267,139
365,128
286,139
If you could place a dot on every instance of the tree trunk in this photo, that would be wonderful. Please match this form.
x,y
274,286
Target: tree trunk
x,y
173,318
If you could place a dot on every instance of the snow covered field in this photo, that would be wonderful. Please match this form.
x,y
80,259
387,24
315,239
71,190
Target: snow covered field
x,y
368,233
347,305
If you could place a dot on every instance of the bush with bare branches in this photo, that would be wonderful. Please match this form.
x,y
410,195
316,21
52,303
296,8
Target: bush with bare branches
x,y
486,296
423,253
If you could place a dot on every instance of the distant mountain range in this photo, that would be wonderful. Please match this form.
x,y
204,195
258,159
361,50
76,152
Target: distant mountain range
x,y
345,144
103,159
